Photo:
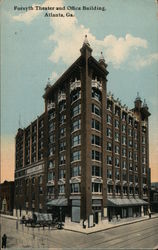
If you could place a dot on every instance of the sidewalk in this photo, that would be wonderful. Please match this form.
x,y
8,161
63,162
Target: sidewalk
x,y
106,225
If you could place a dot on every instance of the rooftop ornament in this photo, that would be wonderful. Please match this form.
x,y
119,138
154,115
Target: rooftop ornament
x,y
86,41
101,57
145,104
138,97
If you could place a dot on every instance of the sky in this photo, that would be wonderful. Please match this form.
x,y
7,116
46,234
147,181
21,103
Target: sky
x,y
36,46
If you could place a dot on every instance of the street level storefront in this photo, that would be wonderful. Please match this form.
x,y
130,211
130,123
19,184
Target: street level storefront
x,y
58,208
123,208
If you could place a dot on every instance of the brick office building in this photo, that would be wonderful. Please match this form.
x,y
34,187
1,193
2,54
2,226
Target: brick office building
x,y
86,153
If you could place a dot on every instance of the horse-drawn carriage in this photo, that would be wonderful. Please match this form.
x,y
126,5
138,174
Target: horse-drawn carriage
x,y
40,219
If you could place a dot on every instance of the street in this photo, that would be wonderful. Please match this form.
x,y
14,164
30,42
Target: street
x,y
135,236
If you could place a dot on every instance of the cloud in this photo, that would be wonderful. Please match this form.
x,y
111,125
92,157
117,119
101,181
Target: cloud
x,y
54,76
28,16
68,37
142,62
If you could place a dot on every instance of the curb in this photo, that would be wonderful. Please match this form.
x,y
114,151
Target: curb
x,y
115,226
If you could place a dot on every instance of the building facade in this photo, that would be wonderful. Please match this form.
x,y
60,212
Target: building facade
x,y
7,197
154,197
86,153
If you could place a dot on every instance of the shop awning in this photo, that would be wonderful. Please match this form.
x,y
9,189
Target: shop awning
x,y
60,202
118,202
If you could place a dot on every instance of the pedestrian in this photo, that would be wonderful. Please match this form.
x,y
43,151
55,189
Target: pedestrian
x,y
149,212
4,241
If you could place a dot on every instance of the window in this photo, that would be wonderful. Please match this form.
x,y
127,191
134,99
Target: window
x,y
144,181
62,146
130,143
124,177
135,135
96,95
125,190
143,150
117,149
50,190
144,160
96,155
124,128
131,178
62,132
130,155
143,139
96,110
96,171
51,164
109,160
96,187
116,136
51,115
135,156
75,95
130,121
76,125
96,140
124,116
117,111
117,174
62,106
109,106
61,173
76,140
109,132
61,189
51,176
51,150
130,132
76,110
124,164
136,178
40,179
109,146
52,138
51,127
130,166
118,189
62,119
135,145
109,174
123,140
75,188
40,190
62,159
116,124
109,119
110,189
124,152
76,155
76,171
117,162
96,125
33,180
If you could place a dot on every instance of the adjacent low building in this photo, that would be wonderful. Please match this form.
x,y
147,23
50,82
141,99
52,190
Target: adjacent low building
x,y
7,197
87,154
154,197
